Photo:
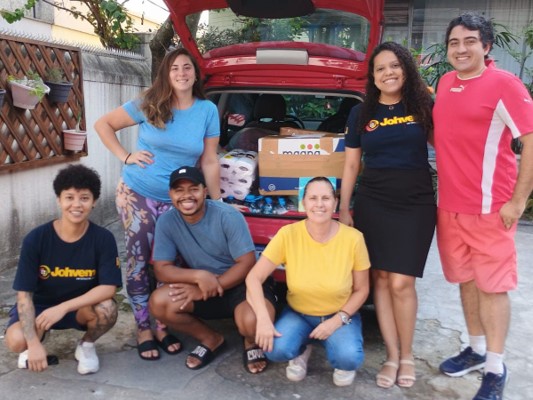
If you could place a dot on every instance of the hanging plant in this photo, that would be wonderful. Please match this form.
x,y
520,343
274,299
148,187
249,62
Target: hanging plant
x,y
27,91
59,88
2,95
74,139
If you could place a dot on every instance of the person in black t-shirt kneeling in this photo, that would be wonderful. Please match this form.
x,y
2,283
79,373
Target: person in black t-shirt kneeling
x,y
67,276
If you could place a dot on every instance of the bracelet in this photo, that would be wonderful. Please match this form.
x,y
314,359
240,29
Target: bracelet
x,y
344,312
126,159
345,317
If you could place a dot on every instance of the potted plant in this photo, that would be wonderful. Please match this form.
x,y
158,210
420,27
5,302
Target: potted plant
x,y
28,91
2,95
74,139
59,88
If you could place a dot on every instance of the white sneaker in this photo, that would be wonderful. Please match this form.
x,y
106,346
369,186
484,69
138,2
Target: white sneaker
x,y
23,360
297,368
342,377
87,359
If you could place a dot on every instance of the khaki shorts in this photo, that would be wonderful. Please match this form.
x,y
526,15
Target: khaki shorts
x,y
479,248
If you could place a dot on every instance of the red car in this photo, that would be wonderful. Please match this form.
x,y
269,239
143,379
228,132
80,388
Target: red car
x,y
280,65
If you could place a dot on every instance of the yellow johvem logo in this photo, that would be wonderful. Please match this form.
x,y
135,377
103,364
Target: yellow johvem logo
x,y
374,123
65,272
44,272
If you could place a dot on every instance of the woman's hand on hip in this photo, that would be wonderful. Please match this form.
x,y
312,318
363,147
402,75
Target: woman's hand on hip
x,y
142,158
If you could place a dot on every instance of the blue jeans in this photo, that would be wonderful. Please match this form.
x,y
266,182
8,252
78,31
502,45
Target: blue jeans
x,y
344,348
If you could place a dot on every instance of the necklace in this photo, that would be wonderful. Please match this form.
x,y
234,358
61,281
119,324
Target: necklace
x,y
390,105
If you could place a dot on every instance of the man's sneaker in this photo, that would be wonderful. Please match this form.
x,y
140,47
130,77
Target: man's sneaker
x,y
463,363
342,377
297,368
492,386
87,359
23,360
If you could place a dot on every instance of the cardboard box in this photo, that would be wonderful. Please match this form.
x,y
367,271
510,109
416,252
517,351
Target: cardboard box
x,y
283,160
289,131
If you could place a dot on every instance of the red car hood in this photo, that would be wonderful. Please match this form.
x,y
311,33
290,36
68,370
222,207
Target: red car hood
x,y
324,66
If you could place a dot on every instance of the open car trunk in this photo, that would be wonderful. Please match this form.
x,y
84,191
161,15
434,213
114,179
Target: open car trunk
x,y
295,67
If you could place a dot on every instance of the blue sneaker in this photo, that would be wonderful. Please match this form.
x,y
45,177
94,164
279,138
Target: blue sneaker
x,y
463,363
492,386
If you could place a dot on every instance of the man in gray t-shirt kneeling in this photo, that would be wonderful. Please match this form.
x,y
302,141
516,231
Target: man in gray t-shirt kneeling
x,y
202,253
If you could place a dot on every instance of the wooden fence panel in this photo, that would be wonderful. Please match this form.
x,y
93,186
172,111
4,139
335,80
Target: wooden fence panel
x,y
30,138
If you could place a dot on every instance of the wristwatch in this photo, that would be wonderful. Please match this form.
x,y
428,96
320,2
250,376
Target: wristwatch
x,y
345,317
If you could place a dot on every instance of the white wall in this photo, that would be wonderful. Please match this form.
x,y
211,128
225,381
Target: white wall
x,y
27,198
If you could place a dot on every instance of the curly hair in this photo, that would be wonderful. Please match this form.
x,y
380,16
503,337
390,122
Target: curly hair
x,y
415,94
78,177
473,22
156,101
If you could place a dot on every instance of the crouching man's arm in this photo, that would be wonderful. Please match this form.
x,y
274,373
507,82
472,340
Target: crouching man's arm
x,y
188,285
94,298
238,272
36,351
206,282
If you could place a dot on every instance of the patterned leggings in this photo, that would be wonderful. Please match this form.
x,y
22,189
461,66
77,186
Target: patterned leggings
x,y
139,215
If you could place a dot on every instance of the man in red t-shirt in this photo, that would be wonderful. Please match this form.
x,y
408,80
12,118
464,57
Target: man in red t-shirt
x,y
478,110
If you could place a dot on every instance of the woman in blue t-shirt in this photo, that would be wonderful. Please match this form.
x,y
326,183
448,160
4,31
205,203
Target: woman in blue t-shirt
x,y
177,126
394,204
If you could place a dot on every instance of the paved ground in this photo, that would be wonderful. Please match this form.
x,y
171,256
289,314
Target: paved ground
x,y
124,376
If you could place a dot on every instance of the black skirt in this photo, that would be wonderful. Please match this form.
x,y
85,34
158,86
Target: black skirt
x,y
395,210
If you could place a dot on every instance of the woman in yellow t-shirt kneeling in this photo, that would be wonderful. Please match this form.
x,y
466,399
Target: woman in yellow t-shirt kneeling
x,y
326,265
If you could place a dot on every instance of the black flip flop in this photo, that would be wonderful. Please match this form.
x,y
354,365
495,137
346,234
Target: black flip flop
x,y
253,355
204,354
167,341
148,345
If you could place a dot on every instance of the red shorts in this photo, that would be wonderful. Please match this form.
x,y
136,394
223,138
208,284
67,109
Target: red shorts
x,y
479,248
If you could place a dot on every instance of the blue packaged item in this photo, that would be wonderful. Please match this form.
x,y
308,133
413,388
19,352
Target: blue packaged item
x,y
280,207
291,205
249,199
267,207
251,202
260,203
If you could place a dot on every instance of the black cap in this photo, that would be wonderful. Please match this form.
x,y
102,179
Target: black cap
x,y
192,174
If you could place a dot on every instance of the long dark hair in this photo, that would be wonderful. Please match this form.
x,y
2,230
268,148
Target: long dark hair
x,y
415,95
157,100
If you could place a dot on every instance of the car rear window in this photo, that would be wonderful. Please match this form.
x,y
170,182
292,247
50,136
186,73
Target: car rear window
x,y
326,33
